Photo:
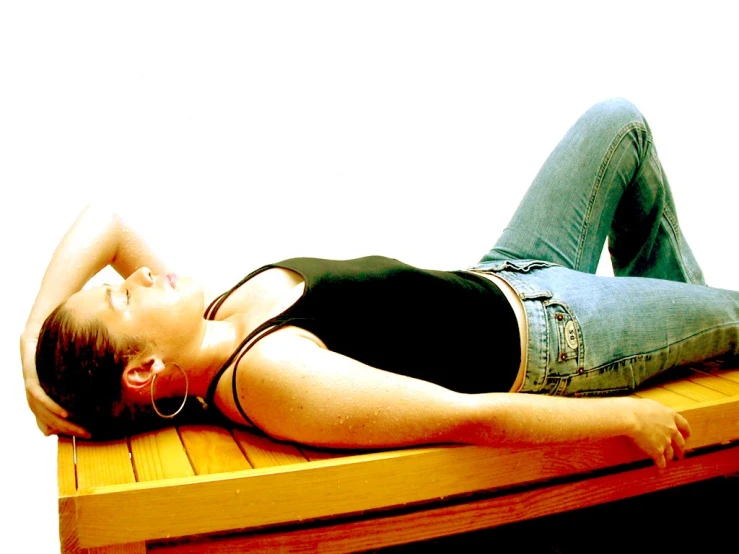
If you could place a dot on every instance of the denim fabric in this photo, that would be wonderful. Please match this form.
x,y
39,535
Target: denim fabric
x,y
595,335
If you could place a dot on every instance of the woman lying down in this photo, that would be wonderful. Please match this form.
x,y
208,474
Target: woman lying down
x,y
521,348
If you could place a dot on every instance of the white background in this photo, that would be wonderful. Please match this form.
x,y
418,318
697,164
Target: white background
x,y
249,134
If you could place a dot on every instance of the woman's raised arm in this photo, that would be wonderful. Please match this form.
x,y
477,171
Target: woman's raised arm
x,y
295,390
99,237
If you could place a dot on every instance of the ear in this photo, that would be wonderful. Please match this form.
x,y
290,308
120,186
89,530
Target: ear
x,y
139,372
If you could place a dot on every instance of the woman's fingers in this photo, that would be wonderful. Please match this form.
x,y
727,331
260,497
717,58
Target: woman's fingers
x,y
659,460
678,444
54,408
37,397
51,418
662,432
669,453
682,425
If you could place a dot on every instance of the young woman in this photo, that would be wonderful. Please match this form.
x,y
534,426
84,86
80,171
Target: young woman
x,y
375,353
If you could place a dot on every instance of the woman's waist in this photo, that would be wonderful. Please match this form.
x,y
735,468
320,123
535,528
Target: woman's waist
x,y
517,306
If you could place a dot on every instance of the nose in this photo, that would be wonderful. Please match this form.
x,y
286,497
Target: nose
x,y
142,276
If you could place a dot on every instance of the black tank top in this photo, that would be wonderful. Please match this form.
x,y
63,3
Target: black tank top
x,y
452,328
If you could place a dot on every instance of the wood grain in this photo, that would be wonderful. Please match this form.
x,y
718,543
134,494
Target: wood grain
x,y
103,463
263,452
99,465
212,449
200,480
66,471
694,390
160,455
329,488
665,396
427,523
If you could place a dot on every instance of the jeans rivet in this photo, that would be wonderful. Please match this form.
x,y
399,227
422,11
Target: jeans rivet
x,y
560,317
563,357
581,371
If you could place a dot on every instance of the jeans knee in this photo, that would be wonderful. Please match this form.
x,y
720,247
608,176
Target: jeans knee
x,y
617,113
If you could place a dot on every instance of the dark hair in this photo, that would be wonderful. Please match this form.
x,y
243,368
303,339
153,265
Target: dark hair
x,y
80,366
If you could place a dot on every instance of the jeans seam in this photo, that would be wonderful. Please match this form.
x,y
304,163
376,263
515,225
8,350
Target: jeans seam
x,y
669,222
670,345
673,235
607,158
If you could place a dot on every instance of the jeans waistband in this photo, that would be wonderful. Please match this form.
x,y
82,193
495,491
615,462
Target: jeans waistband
x,y
533,298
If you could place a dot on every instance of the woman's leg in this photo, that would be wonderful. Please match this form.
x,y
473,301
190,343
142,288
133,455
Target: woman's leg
x,y
604,179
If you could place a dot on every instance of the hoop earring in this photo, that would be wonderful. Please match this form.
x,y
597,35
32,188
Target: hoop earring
x,y
184,400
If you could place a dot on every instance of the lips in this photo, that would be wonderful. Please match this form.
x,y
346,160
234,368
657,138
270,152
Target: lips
x,y
172,279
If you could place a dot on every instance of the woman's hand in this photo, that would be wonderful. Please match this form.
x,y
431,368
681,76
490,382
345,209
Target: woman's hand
x,y
659,431
51,418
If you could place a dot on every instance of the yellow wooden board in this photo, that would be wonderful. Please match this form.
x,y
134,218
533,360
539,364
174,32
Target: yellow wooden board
x,y
695,391
387,530
103,463
99,465
66,471
205,479
212,449
666,397
263,452
160,455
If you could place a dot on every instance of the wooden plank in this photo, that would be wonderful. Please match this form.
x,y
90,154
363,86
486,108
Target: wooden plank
x,y
354,484
68,540
693,390
103,463
160,455
66,478
66,471
716,383
712,423
665,396
212,449
137,548
728,374
419,475
425,524
263,452
330,488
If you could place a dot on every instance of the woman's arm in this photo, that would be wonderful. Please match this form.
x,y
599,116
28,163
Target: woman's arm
x,y
98,237
295,390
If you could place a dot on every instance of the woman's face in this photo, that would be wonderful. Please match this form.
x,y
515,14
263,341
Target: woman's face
x,y
163,311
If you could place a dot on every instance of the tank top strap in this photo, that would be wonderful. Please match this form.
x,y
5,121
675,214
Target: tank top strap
x,y
265,329
215,305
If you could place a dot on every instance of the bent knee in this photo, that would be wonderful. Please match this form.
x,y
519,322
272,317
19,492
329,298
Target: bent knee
x,y
617,113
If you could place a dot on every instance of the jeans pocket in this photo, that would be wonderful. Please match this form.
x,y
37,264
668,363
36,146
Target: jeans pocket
x,y
566,341
613,379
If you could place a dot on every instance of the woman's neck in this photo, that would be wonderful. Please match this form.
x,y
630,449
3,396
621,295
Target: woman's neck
x,y
220,340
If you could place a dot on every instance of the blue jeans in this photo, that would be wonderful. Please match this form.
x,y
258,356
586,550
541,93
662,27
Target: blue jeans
x,y
593,335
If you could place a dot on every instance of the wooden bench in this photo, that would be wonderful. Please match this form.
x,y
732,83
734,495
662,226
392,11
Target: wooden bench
x,y
211,489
